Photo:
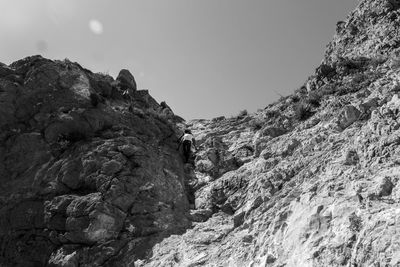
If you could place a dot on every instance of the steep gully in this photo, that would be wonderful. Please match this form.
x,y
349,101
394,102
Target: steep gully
x,y
90,175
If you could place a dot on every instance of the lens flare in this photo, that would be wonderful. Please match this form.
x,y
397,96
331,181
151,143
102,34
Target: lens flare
x,y
95,26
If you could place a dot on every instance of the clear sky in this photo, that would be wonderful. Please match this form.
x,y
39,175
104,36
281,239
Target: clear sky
x,y
205,58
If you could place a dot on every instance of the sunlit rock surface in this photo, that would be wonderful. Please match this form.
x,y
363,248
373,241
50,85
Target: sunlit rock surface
x,y
313,179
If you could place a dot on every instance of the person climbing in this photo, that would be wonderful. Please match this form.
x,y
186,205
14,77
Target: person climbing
x,y
187,140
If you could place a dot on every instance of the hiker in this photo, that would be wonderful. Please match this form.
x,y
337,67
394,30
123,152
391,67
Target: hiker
x,y
187,140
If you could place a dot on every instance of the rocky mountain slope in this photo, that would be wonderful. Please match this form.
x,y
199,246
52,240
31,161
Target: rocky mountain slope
x,y
88,167
312,180
90,174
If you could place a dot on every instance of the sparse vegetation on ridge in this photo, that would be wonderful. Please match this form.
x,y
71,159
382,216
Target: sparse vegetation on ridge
x,y
91,175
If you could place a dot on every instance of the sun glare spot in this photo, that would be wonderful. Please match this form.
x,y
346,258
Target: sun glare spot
x,y
95,26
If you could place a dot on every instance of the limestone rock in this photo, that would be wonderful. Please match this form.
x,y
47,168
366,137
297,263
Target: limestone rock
x,y
85,182
74,175
322,192
200,215
273,131
90,221
349,115
126,80
350,157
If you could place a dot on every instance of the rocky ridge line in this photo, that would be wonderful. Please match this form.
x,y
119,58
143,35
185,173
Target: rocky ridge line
x,y
89,172
313,179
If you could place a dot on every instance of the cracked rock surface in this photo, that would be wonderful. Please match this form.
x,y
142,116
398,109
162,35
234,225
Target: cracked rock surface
x,y
90,174
313,179
87,178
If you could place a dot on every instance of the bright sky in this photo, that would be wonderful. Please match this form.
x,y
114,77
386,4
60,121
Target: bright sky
x,y
205,58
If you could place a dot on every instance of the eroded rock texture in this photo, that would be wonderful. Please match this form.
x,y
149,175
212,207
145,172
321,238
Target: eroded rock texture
x,y
312,180
90,174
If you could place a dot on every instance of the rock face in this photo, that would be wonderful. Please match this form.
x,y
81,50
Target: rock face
x,y
83,183
90,175
313,179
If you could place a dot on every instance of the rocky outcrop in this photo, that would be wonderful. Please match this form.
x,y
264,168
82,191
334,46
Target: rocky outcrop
x,y
312,179
90,174
88,177
126,81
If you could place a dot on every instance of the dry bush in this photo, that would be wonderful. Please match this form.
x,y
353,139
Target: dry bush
x,y
243,113
303,111
256,124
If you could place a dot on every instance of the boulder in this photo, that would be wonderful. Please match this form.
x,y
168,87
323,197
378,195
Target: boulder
x,y
126,81
347,116
273,131
350,157
200,215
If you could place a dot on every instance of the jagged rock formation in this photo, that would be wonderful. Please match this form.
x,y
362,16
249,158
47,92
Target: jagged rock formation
x,y
90,175
312,180
88,167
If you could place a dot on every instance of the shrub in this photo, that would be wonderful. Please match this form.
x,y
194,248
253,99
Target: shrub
x,y
358,82
256,124
66,140
243,113
218,119
295,98
325,70
344,90
302,111
302,90
355,222
272,114
314,98
328,89
358,78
